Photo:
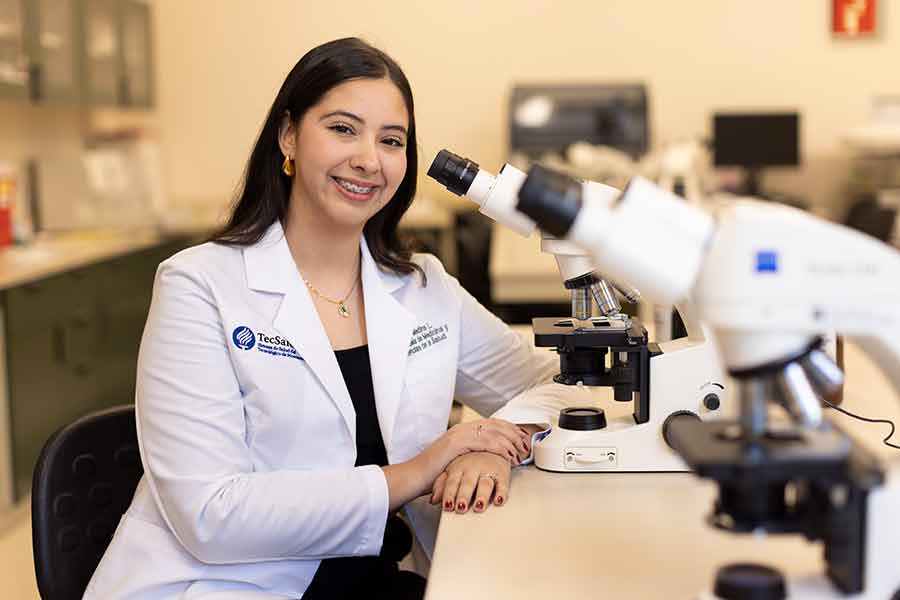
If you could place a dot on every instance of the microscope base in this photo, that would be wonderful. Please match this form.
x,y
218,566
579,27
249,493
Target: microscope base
x,y
681,378
881,578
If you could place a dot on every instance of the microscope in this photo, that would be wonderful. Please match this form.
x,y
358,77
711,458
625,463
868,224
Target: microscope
x,y
603,353
769,280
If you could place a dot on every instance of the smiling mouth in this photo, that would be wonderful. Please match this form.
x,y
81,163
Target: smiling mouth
x,y
354,188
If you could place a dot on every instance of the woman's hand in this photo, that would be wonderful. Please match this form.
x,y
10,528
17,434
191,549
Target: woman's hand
x,y
500,437
507,443
472,480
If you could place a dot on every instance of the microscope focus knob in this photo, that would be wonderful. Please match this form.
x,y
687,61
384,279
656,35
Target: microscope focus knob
x,y
582,418
711,402
747,581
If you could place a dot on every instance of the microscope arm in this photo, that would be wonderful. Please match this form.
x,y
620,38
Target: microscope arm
x,y
766,278
774,277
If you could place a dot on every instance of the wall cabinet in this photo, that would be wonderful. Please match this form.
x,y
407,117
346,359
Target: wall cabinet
x,y
137,55
71,345
93,51
13,53
118,60
54,46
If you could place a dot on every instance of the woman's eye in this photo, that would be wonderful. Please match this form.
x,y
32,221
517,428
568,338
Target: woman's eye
x,y
394,142
342,128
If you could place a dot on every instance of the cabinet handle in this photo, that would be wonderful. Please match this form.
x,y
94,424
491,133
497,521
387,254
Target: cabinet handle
x,y
124,91
59,343
35,81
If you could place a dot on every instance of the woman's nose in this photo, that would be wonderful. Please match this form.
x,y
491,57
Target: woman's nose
x,y
365,158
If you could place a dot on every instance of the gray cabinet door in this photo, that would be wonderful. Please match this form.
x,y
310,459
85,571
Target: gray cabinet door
x,y
137,54
14,61
54,47
102,51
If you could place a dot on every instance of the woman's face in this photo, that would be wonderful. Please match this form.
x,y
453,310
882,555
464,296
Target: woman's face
x,y
349,153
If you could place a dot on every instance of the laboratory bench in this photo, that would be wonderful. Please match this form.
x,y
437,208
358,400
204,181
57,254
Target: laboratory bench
x,y
72,311
627,535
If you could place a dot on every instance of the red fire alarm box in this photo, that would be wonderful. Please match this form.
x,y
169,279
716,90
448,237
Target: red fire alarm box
x,y
853,17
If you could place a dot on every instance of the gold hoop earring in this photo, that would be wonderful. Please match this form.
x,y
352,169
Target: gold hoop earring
x,y
287,167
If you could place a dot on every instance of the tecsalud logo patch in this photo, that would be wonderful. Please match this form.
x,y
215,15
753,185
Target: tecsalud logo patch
x,y
243,337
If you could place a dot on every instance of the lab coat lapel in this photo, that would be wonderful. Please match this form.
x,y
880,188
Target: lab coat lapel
x,y
389,327
271,268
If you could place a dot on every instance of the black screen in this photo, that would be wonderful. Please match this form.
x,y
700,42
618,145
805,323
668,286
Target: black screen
x,y
756,139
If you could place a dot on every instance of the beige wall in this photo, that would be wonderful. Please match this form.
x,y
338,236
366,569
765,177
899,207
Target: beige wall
x,y
220,63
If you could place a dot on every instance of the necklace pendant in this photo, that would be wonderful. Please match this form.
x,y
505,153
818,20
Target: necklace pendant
x,y
343,311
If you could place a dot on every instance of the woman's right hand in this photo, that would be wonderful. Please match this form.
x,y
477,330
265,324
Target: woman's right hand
x,y
497,436
416,476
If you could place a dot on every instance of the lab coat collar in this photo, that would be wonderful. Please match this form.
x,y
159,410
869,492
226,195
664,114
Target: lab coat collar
x,y
389,325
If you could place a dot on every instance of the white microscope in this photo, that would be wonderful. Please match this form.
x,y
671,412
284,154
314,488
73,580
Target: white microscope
x,y
769,280
598,354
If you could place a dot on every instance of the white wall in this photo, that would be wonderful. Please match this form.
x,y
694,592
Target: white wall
x,y
220,62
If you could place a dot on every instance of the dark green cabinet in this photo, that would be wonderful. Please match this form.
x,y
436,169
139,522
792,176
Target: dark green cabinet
x,y
71,348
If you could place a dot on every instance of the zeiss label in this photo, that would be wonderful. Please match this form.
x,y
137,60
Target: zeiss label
x,y
766,261
243,337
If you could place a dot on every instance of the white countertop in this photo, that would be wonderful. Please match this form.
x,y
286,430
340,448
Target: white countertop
x,y
625,536
51,254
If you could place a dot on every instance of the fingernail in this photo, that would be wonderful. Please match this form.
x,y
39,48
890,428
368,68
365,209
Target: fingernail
x,y
461,506
499,500
479,505
448,505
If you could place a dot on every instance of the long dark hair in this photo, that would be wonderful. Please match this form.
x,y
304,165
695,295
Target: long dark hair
x,y
266,190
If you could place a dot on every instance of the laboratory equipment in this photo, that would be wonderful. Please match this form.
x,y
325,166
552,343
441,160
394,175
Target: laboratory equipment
x,y
755,141
597,354
769,280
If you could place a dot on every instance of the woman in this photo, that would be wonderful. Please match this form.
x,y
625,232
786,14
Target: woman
x,y
296,373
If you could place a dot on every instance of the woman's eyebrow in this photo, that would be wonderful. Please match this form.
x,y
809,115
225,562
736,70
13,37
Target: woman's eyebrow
x,y
357,118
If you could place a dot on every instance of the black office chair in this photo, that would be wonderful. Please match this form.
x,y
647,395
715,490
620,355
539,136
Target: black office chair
x,y
83,482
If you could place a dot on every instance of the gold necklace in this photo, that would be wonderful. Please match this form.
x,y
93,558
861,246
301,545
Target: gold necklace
x,y
341,306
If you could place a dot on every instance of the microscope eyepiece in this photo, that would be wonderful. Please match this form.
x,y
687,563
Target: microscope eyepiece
x,y
550,199
453,172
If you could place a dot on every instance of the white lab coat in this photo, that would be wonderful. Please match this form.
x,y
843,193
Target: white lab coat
x,y
247,430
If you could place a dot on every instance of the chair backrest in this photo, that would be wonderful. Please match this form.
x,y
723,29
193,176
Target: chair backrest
x,y
83,482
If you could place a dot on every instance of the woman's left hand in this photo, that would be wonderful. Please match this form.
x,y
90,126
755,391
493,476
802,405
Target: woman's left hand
x,y
472,480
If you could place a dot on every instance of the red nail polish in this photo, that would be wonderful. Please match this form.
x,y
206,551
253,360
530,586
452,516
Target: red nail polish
x,y
461,506
499,500
448,505
479,505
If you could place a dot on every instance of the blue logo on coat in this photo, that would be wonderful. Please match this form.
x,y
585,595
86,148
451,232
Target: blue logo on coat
x,y
767,261
243,337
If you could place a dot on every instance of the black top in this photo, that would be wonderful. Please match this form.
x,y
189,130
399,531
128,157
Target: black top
x,y
347,577
357,373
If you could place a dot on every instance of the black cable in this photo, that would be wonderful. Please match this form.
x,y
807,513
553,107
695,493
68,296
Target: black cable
x,y
868,420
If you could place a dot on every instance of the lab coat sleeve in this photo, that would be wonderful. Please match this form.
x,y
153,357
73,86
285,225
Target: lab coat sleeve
x,y
191,429
496,365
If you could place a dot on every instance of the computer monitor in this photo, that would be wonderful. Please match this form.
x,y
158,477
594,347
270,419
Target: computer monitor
x,y
755,141
548,118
